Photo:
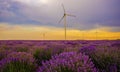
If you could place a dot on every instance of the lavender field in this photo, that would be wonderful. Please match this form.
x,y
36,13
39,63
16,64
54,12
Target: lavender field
x,y
60,56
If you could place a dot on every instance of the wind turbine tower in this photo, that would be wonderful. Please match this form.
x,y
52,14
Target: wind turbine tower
x,y
43,35
65,22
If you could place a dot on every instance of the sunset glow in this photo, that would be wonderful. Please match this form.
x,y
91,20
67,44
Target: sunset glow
x,y
53,33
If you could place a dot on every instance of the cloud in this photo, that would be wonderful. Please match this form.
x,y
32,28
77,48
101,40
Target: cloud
x,y
88,13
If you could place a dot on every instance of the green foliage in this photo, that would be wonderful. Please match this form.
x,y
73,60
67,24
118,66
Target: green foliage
x,y
19,67
22,49
103,62
5,47
42,55
105,58
66,69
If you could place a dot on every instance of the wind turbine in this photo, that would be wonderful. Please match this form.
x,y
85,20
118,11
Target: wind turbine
x,y
43,35
64,17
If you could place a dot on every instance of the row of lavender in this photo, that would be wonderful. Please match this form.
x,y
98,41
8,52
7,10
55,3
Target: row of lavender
x,y
60,56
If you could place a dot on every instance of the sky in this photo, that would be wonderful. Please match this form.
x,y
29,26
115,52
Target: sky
x,y
39,19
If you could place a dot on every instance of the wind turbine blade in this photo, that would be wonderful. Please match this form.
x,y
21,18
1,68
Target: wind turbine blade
x,y
70,15
63,8
61,19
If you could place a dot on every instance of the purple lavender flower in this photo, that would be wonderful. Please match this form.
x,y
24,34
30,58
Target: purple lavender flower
x,y
88,49
113,68
68,62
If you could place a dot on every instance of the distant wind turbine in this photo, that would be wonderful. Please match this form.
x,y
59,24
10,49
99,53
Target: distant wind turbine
x,y
96,34
64,17
44,34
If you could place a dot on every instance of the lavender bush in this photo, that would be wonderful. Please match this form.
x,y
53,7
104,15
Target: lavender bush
x,y
68,62
42,54
18,62
104,58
